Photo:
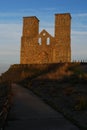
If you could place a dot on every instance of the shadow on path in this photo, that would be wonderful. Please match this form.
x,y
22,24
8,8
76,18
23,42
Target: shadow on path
x,y
30,113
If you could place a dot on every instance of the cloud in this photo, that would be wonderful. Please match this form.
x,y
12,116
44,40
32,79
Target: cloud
x,y
10,32
82,15
78,33
48,9
79,36
79,14
49,27
10,14
9,51
10,38
79,45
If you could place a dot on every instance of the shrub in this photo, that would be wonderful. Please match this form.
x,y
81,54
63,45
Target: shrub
x,y
81,103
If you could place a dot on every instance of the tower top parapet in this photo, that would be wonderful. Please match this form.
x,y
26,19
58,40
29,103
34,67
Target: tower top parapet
x,y
30,17
64,14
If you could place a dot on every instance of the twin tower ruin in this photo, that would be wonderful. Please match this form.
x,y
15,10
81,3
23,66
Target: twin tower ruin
x,y
40,48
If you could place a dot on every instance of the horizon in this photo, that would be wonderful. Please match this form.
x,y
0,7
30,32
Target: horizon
x,y
11,18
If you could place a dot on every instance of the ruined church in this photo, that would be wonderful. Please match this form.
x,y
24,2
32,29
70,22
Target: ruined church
x,y
41,48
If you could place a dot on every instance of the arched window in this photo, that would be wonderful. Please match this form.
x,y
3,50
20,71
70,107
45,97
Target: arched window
x,y
48,41
39,41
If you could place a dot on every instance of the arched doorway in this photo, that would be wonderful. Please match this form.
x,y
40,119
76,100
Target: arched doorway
x,y
43,57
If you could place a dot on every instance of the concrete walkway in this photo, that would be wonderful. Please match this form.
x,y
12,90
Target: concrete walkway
x,y
30,113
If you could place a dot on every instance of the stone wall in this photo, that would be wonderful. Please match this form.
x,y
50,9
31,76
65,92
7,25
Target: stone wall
x,y
40,48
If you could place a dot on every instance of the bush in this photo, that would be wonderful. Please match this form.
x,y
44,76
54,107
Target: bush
x,y
81,103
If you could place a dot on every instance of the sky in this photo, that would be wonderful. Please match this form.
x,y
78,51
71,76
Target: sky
x,y
11,18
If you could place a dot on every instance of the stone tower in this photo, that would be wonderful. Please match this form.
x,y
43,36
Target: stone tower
x,y
30,27
40,48
62,36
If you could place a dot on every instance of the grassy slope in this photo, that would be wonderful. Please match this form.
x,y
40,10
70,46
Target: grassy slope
x,y
65,89
63,86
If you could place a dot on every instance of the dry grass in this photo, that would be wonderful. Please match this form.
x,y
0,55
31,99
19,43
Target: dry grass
x,y
65,89
63,86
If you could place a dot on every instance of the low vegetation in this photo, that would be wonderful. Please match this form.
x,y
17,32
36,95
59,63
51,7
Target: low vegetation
x,y
62,86
5,102
65,89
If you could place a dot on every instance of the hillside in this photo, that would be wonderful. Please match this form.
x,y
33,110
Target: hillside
x,y
65,89
63,86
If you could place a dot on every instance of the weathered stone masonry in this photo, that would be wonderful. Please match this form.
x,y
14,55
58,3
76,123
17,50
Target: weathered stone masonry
x,y
40,48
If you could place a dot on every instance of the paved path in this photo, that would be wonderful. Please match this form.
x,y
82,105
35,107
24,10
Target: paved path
x,y
30,113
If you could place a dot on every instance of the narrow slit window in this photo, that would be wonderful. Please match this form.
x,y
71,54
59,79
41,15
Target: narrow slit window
x,y
39,41
48,41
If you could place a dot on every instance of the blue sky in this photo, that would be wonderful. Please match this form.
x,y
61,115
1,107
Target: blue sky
x,y
12,12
